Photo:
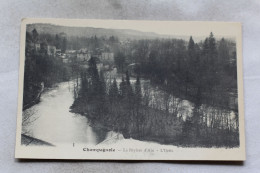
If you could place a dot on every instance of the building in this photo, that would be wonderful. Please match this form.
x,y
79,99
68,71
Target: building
x,y
65,60
83,50
47,49
34,46
51,50
58,52
83,57
70,51
37,47
107,57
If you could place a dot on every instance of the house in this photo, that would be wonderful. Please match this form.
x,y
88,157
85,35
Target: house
x,y
34,46
107,57
83,57
64,57
71,52
58,52
85,63
82,50
37,47
65,60
47,49
51,50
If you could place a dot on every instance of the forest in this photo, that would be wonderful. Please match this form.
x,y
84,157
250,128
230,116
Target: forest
x,y
166,72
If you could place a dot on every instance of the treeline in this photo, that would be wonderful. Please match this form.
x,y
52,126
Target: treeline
x,y
108,44
201,72
40,70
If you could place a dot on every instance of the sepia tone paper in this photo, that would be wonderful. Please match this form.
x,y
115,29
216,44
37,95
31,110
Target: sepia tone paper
x,y
130,90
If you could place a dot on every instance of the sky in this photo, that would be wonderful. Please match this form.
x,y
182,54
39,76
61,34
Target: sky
x,y
160,27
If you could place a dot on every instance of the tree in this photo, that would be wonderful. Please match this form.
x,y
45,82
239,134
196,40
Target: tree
x,y
35,35
193,67
212,52
102,89
57,42
122,88
113,39
138,92
212,45
94,78
129,89
113,91
64,45
141,55
137,103
213,76
205,49
120,61
223,54
189,64
127,78
153,66
96,44
191,45
84,86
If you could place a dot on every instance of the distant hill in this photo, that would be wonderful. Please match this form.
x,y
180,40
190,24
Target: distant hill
x,y
122,34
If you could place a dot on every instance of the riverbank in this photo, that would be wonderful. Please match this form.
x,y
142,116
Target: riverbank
x,y
154,125
31,141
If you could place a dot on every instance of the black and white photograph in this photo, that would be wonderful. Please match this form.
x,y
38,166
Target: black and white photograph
x,y
133,90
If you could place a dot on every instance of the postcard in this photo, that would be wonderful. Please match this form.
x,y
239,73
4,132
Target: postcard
x,y
130,90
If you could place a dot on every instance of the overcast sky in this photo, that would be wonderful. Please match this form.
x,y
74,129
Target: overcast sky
x,y
159,27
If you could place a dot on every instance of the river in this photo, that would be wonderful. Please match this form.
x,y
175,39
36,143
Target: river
x,y
51,120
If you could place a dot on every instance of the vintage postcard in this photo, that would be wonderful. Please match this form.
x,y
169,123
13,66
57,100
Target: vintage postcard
x,y
130,90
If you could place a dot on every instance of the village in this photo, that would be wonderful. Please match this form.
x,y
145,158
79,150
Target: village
x,y
104,60
104,57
